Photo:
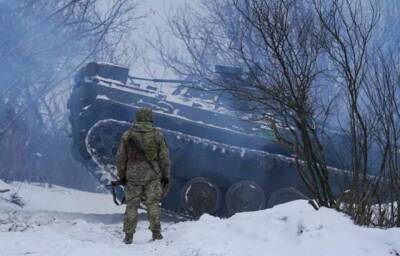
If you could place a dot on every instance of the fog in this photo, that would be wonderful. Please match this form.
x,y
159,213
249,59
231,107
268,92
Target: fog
x,y
44,43
42,46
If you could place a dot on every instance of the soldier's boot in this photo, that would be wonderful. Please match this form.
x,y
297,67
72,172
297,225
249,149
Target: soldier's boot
x,y
157,235
128,238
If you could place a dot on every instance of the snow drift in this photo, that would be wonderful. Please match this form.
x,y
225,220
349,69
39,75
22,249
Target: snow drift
x,y
289,229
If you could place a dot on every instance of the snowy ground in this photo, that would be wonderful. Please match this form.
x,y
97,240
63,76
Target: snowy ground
x,y
59,221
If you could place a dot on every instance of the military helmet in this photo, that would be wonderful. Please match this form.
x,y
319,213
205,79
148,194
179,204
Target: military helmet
x,y
144,115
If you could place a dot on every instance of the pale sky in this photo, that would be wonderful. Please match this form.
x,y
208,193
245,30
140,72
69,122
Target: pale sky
x,y
157,14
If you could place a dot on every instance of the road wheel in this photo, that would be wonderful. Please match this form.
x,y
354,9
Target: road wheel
x,y
245,196
200,195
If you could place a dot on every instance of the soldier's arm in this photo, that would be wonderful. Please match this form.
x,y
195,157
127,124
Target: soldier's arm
x,y
163,156
122,158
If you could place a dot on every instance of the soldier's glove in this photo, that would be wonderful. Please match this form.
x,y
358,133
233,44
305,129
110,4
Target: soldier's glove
x,y
164,182
123,181
165,186
118,182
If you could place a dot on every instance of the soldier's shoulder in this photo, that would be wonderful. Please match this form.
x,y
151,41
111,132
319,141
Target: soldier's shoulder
x,y
159,133
126,134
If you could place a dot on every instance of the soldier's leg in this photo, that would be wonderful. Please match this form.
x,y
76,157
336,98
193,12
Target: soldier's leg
x,y
133,195
152,196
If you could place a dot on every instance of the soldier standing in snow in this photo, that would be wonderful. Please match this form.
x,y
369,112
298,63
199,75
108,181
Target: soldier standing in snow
x,y
143,165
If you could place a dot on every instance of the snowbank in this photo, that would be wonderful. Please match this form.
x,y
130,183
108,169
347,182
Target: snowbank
x,y
4,185
290,229
59,199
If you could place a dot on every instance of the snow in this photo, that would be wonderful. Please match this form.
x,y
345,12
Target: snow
x,y
102,97
290,229
41,197
167,96
87,107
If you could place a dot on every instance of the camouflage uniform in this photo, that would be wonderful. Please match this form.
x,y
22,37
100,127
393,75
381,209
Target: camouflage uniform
x,y
143,180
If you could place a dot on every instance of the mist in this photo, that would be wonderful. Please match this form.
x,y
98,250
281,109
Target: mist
x,y
274,127
42,45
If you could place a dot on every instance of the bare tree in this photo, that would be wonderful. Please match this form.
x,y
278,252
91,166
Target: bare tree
x,y
286,80
275,42
348,28
309,64
382,90
42,46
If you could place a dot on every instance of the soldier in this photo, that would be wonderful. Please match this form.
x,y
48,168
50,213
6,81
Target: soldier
x,y
143,165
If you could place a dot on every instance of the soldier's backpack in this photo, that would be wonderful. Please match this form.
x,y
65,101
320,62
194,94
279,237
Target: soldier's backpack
x,y
145,142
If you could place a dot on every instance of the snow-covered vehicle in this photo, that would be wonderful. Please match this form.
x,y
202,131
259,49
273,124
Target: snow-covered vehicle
x,y
222,163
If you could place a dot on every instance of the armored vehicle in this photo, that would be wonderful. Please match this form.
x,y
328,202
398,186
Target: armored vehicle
x,y
222,162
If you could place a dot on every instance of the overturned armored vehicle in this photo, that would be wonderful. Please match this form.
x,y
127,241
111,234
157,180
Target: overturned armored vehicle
x,y
222,163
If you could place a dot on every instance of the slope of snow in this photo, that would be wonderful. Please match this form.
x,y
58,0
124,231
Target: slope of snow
x,y
58,199
289,229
